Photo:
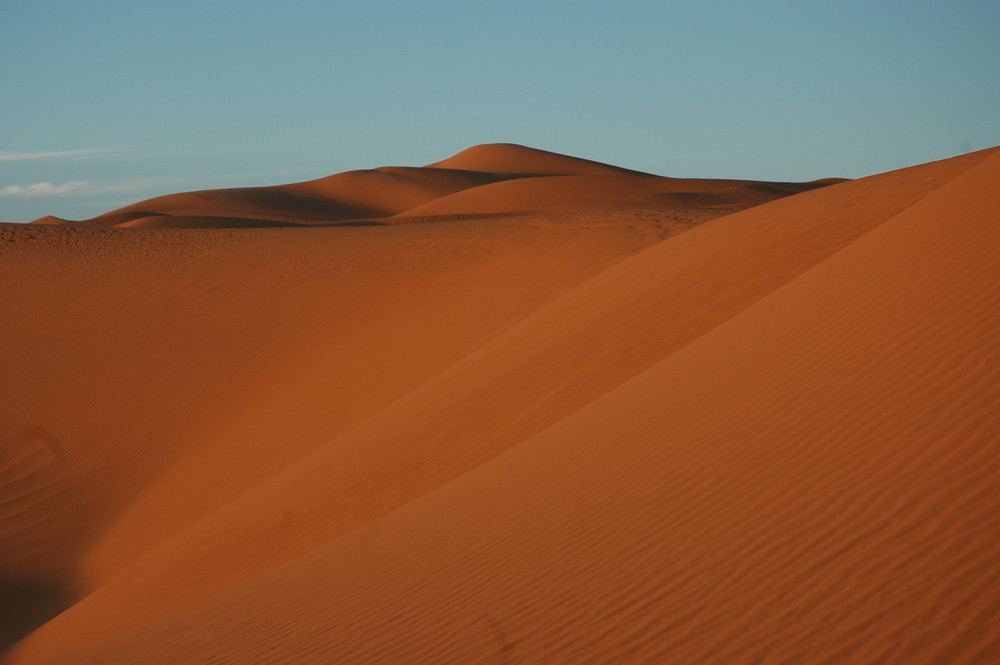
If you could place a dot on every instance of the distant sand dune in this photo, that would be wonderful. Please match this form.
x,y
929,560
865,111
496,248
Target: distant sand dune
x,y
487,179
569,413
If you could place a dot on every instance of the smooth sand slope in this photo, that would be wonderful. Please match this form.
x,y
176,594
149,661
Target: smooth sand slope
x,y
566,436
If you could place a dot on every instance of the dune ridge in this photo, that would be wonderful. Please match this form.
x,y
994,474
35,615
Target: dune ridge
x,y
610,432
484,179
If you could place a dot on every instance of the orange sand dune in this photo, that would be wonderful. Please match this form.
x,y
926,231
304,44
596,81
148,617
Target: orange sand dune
x,y
590,435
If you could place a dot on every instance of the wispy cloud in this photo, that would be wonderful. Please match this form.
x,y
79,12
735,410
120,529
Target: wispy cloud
x,y
45,189
82,187
88,188
6,156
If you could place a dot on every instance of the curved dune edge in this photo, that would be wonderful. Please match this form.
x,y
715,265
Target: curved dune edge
x,y
767,435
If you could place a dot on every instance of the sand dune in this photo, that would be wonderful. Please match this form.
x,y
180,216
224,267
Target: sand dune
x,y
628,428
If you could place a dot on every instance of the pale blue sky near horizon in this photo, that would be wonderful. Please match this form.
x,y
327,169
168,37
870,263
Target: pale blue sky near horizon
x,y
108,102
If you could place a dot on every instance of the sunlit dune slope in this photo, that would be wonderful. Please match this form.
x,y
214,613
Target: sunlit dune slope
x,y
574,436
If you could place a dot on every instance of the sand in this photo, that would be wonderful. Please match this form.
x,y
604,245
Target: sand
x,y
510,407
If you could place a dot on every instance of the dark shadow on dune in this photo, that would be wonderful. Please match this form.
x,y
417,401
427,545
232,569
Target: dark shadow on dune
x,y
352,222
25,605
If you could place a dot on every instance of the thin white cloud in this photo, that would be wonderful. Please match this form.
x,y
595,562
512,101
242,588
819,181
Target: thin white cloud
x,y
6,156
87,188
44,189
81,188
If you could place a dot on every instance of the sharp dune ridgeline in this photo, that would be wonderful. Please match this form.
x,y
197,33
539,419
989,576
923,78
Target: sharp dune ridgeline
x,y
509,407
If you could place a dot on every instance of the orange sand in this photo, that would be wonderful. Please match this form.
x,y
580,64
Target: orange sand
x,y
510,407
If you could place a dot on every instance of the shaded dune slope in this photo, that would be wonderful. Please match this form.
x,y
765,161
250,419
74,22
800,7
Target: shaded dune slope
x,y
771,437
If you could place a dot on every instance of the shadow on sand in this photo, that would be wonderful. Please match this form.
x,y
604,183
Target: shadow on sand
x,y
25,605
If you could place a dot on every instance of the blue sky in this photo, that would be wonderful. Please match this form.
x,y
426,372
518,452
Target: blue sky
x,y
107,102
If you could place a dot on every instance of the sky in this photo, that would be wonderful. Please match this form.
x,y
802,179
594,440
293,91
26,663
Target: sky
x,y
107,102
